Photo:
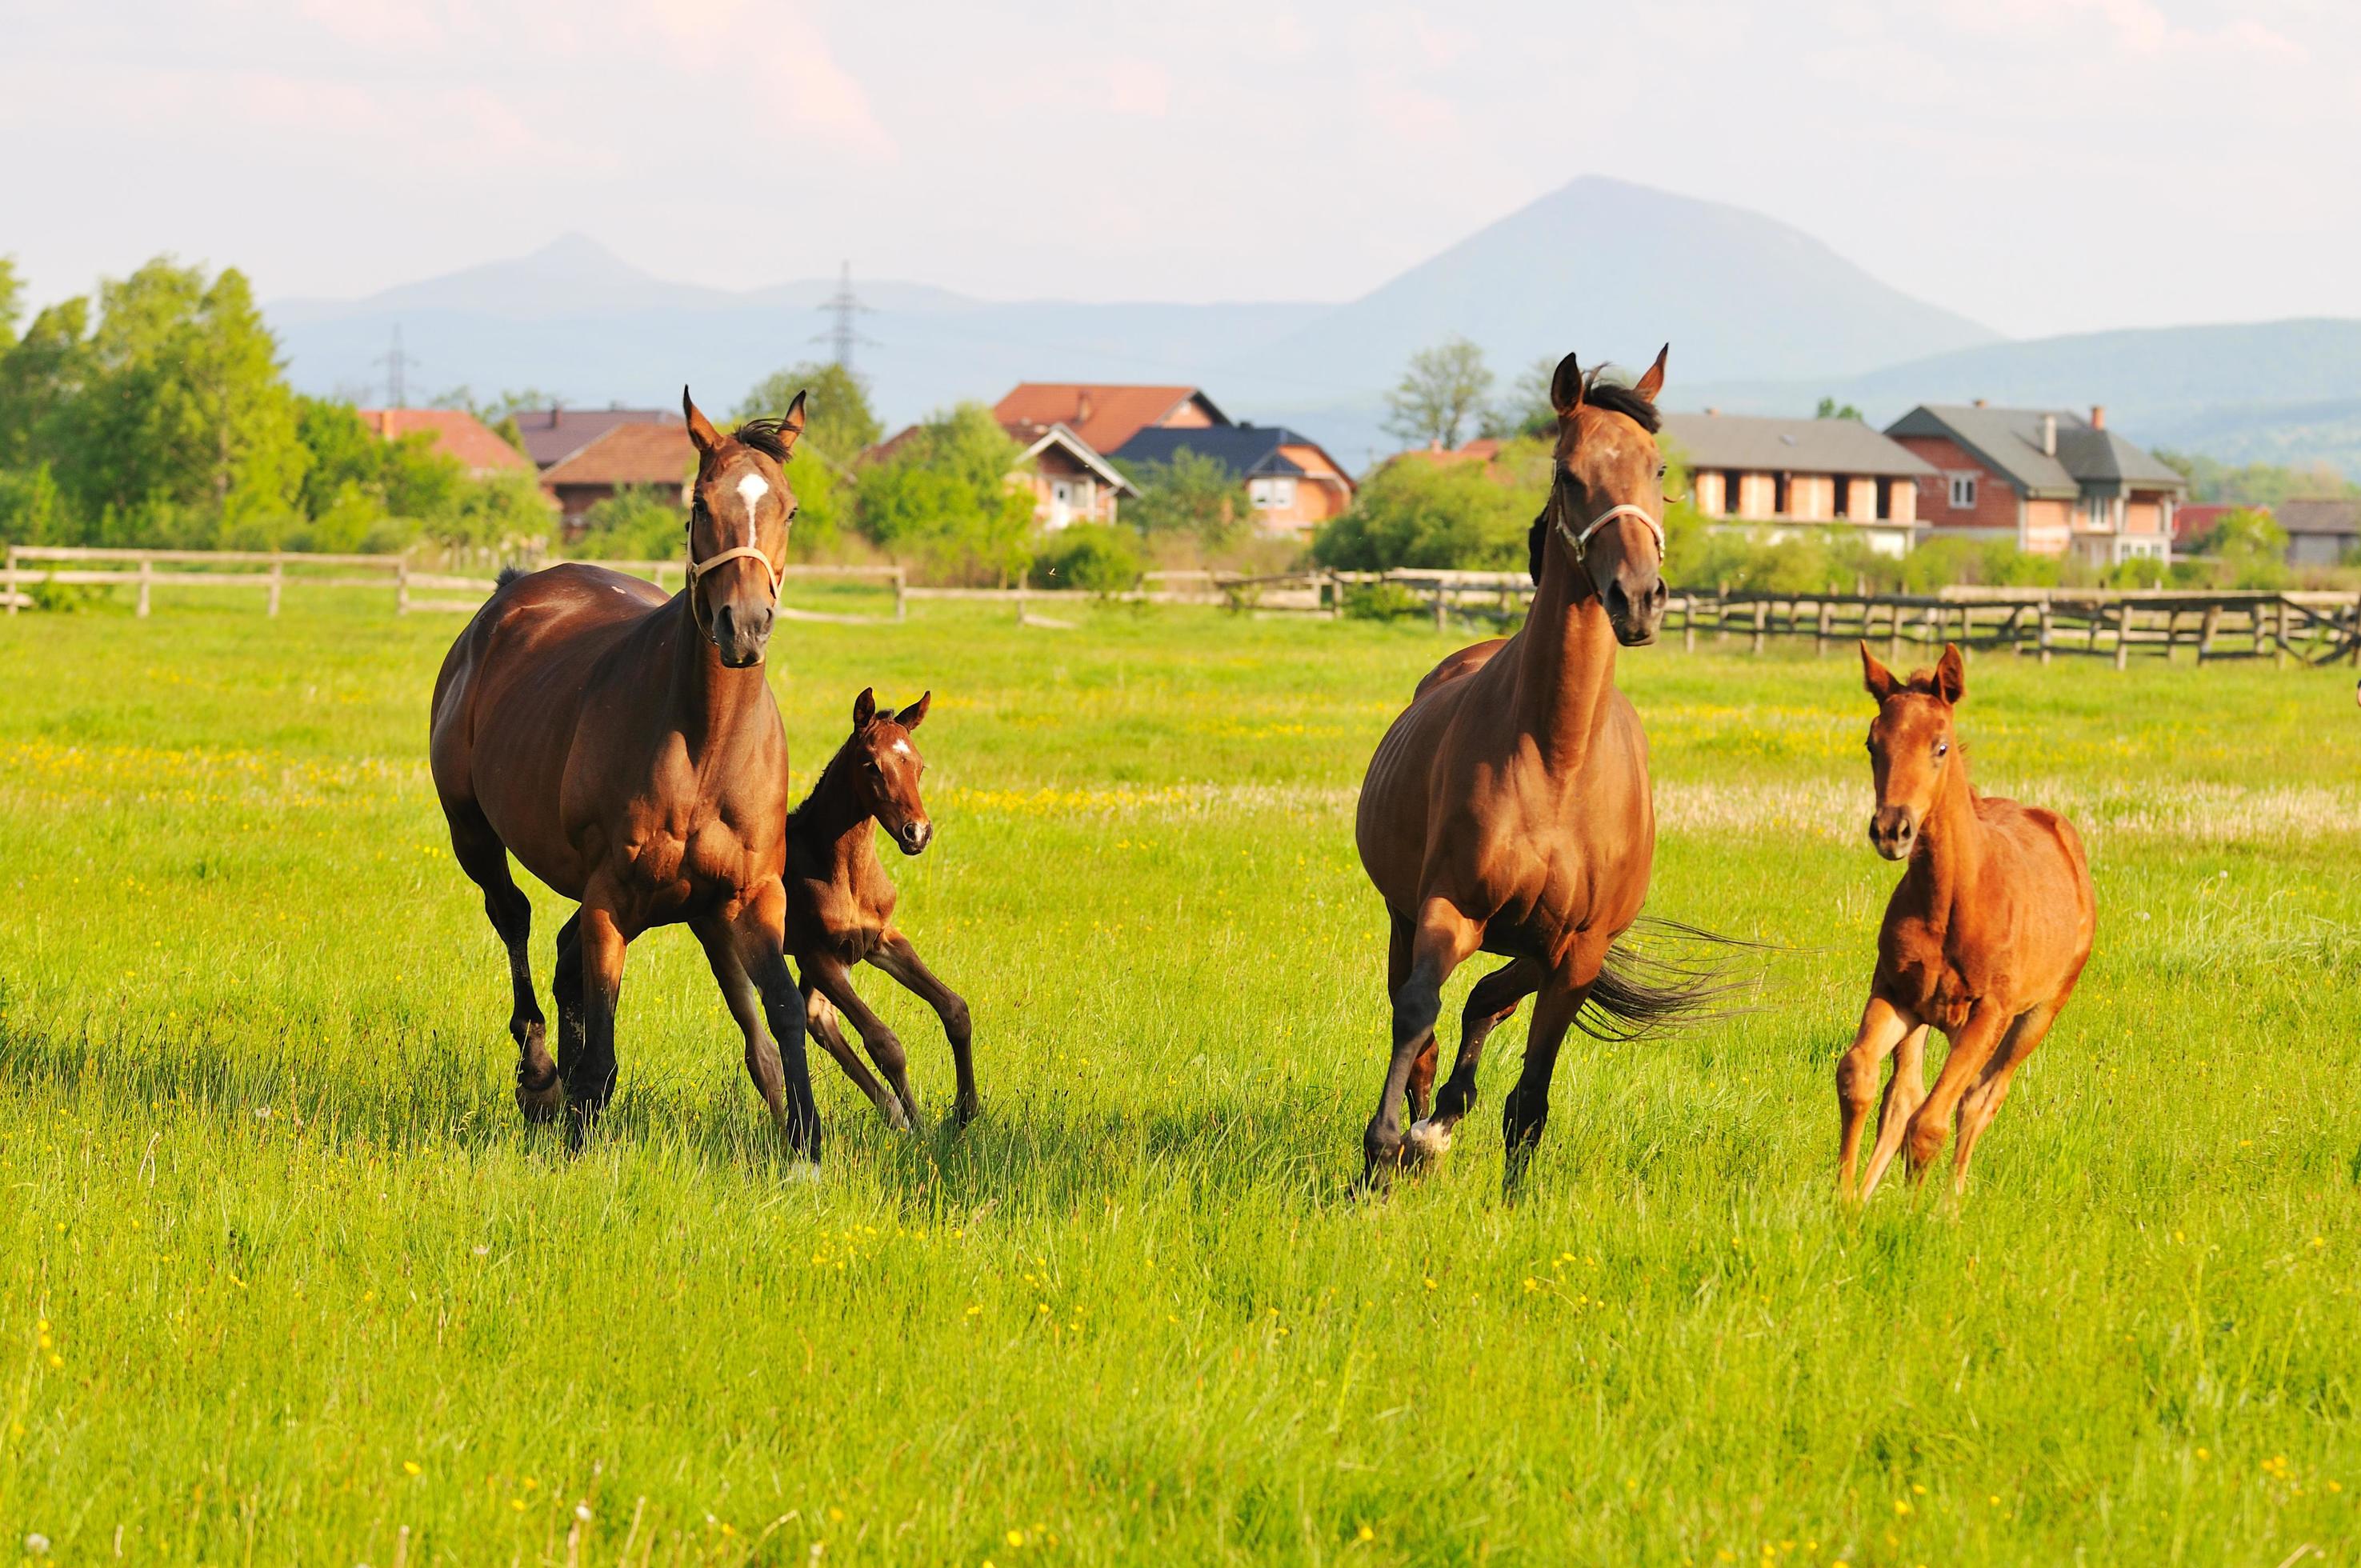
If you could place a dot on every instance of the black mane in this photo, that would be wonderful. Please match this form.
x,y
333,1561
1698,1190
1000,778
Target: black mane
x,y
770,437
1618,398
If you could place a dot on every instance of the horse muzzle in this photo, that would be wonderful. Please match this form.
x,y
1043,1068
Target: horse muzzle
x,y
1635,617
742,636
1894,832
914,836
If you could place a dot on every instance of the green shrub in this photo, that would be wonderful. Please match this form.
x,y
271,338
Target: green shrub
x,y
1382,601
1093,555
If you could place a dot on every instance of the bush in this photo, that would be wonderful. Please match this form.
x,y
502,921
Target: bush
x,y
636,524
1464,516
1093,555
1382,601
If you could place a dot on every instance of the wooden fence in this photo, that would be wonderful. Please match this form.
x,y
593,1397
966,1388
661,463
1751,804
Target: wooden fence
x,y
2308,628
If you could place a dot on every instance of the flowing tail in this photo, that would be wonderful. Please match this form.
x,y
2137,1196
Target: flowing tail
x,y
1642,988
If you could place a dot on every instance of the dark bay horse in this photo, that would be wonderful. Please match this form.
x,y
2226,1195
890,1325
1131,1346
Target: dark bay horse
x,y
1508,809
1983,938
841,905
625,746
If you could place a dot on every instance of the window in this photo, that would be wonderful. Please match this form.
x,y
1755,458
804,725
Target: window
x,y
1778,494
1841,502
1270,495
1729,490
1885,499
1963,492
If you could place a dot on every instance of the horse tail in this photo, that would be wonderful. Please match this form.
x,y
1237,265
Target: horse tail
x,y
1673,974
508,573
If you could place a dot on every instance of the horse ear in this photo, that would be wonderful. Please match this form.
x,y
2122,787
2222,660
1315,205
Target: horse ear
x,y
1875,677
911,716
1951,675
865,708
700,429
1565,386
791,423
1654,381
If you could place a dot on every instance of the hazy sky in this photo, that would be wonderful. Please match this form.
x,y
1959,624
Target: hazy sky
x,y
2042,165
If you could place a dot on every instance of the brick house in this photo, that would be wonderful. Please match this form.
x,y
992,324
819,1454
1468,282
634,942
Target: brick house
x,y
643,455
551,435
2049,482
457,434
1071,483
1292,483
1760,475
1105,416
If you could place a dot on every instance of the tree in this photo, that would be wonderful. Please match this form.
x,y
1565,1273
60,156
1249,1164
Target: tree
x,y
1526,410
838,423
2251,546
952,496
1411,512
1192,494
1443,391
1830,409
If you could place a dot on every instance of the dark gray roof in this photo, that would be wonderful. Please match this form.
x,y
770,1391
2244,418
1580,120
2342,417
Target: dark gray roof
x,y
2326,515
551,434
2009,442
1246,450
1791,445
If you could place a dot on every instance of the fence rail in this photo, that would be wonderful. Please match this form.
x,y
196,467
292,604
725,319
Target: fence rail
x,y
2047,623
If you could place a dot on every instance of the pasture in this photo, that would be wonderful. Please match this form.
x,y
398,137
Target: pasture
x,y
283,1275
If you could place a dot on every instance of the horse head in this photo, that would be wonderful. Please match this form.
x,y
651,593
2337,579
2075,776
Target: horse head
x,y
1606,500
739,515
1910,745
885,768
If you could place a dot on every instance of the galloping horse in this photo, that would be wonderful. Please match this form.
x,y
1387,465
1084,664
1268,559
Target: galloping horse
x,y
841,905
625,746
1983,938
1508,809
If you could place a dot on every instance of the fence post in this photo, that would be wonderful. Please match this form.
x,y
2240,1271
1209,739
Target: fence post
x,y
2205,630
1894,634
1440,623
12,580
1688,623
2357,631
1820,640
147,578
1761,621
901,594
401,586
2124,634
278,580
2044,631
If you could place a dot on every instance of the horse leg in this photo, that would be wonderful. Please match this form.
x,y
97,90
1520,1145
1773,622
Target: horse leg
x,y
761,929
486,861
821,1018
1905,1092
1981,1103
590,1075
1491,1004
1972,1048
1418,1091
566,985
1883,1027
885,1046
1526,1112
1442,941
897,957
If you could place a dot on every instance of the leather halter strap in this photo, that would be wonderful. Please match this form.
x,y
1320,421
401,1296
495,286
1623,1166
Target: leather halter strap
x,y
697,568
1578,542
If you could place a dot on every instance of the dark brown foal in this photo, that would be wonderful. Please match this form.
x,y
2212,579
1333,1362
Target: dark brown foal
x,y
1983,938
841,905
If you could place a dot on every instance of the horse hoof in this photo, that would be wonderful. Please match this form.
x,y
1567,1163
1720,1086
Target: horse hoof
x,y
802,1170
541,1105
1425,1142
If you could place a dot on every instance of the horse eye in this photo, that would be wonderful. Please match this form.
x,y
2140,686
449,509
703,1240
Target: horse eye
x,y
1942,748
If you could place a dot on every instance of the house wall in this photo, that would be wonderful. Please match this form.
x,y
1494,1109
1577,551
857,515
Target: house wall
x,y
1996,498
2144,514
2320,549
1088,498
1189,415
1710,490
1321,493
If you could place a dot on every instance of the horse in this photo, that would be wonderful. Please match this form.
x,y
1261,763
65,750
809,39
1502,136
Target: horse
x,y
1507,810
625,746
1983,938
841,905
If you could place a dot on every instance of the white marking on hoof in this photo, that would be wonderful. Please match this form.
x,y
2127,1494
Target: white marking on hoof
x,y
802,1170
1425,1141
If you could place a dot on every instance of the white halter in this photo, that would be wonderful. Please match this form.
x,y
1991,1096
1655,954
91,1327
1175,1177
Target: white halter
x,y
778,575
1578,542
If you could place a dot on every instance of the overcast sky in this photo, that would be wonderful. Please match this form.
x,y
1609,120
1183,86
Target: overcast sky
x,y
2041,164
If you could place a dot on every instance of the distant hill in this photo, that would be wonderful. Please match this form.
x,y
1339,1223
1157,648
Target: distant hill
x,y
2286,393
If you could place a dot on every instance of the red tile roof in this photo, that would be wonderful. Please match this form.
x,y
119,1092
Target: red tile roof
x,y
1483,449
457,434
1103,416
629,455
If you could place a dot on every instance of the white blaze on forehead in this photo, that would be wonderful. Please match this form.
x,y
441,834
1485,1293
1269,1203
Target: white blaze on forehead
x,y
752,489
903,747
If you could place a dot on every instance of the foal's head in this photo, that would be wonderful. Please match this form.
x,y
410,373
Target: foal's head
x,y
1910,745
885,768
1606,508
738,519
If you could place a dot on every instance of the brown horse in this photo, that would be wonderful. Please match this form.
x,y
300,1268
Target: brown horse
x,y
1984,937
1508,809
625,746
841,903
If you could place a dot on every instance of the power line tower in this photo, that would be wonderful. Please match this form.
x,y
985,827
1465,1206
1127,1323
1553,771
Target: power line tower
x,y
397,391
846,307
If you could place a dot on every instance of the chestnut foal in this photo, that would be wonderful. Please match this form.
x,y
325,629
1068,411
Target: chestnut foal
x,y
1983,938
841,905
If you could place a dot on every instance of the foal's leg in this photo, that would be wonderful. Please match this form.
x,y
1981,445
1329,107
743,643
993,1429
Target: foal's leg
x,y
885,1046
897,957
1883,1026
1443,940
1972,1048
821,1019
1981,1103
486,861
1526,1112
1491,1004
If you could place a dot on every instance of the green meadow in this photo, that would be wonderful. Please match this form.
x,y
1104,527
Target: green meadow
x,y
284,1278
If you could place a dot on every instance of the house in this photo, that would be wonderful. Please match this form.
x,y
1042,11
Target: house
x,y
1071,483
1103,417
457,434
2322,531
2192,521
2048,481
1292,484
553,435
1775,474
650,455
1483,449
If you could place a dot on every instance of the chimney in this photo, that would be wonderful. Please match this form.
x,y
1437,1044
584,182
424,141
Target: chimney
x,y
1082,406
1979,402
2098,416
2050,435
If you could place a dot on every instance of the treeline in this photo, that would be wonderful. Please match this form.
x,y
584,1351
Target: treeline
x,y
156,415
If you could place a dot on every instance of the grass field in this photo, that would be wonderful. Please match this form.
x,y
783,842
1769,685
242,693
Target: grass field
x,y
282,1274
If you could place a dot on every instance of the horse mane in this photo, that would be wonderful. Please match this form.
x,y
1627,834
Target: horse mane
x,y
1615,397
770,437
